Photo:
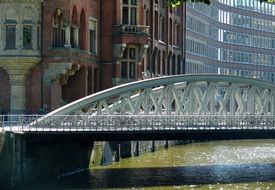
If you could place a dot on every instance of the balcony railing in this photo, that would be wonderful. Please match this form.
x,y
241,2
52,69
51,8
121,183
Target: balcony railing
x,y
131,29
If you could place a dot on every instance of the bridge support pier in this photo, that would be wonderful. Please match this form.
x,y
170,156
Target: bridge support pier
x,y
118,153
136,151
153,147
26,159
166,145
12,160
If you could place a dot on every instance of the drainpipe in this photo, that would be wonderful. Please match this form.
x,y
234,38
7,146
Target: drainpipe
x,y
184,42
41,54
100,45
152,28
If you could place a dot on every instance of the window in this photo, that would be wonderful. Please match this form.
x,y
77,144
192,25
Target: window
x,y
177,34
163,4
128,63
162,29
147,17
38,38
124,69
132,70
129,12
58,30
170,32
92,41
27,37
132,53
10,36
156,26
93,36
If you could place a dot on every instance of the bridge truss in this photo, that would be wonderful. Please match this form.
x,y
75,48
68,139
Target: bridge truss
x,y
173,103
180,95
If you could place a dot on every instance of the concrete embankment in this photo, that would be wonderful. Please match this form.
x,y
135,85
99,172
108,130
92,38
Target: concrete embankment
x,y
6,160
112,151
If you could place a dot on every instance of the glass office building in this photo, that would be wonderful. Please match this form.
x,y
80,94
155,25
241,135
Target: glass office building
x,y
235,37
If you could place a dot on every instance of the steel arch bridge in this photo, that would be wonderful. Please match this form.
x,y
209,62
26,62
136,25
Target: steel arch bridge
x,y
183,106
180,95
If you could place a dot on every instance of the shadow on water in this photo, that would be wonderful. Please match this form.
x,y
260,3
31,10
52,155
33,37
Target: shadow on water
x,y
165,176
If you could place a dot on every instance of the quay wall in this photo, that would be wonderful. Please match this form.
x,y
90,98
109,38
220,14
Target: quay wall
x,y
26,160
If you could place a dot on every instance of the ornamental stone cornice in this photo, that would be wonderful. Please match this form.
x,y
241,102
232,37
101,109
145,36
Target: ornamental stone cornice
x,y
22,1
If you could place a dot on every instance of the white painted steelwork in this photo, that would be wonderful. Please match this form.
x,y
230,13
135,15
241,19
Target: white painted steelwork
x,y
185,102
135,123
180,95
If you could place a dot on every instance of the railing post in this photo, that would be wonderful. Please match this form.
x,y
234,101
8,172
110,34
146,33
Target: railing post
x,y
136,152
95,120
153,146
22,119
166,144
10,122
1,123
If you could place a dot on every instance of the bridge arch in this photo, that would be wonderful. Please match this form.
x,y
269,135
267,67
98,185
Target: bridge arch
x,y
180,95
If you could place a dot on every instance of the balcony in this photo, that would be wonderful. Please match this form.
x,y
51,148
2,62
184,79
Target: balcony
x,y
131,29
130,34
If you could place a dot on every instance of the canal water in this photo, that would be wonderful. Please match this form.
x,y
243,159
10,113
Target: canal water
x,y
223,165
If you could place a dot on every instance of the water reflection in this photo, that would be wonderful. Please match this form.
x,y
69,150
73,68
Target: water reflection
x,y
210,165
177,176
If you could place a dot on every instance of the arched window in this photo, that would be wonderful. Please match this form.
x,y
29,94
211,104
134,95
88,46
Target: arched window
x,y
162,29
170,31
174,65
176,34
148,60
74,28
158,63
156,25
82,31
58,29
147,18
163,63
179,64
154,61
169,58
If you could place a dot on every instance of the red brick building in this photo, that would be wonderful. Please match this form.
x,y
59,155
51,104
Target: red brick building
x,y
70,53
89,45
140,39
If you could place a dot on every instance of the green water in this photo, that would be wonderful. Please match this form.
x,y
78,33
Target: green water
x,y
220,165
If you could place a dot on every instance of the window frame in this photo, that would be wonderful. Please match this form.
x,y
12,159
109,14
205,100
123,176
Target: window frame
x,y
13,47
96,35
129,6
129,57
58,30
31,35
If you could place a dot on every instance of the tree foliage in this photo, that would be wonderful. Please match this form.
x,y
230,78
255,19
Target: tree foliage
x,y
178,2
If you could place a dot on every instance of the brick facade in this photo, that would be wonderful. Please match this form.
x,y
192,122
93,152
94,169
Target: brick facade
x,y
70,61
4,91
90,45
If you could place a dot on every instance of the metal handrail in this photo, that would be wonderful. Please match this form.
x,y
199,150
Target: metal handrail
x,y
110,123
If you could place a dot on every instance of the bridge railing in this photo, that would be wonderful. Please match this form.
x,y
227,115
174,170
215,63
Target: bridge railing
x,y
17,122
105,123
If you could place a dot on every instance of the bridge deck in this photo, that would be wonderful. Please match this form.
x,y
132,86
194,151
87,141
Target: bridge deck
x,y
141,127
